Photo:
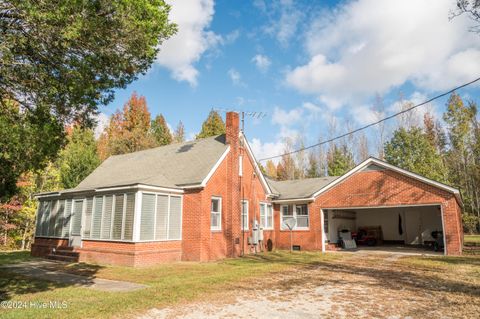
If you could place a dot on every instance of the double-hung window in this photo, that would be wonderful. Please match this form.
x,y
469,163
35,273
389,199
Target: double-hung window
x,y
216,214
266,216
244,220
299,212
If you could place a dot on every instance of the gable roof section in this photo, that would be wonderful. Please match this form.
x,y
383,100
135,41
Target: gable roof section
x,y
300,188
178,165
380,163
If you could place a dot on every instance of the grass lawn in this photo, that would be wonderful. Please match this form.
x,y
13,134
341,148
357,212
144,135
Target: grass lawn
x,y
167,284
472,239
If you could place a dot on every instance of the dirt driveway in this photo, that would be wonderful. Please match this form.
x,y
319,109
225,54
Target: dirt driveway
x,y
365,285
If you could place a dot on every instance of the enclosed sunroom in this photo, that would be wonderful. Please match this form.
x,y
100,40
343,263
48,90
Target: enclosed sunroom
x,y
79,222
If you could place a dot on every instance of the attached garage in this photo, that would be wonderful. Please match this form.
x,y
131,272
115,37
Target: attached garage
x,y
419,226
404,207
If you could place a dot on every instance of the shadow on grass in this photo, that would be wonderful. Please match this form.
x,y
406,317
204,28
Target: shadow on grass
x,y
21,274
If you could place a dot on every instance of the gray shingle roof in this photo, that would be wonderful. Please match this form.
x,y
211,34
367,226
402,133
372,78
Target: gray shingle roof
x,y
174,165
299,188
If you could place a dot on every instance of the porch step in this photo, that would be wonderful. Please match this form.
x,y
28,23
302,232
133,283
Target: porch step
x,y
61,252
71,259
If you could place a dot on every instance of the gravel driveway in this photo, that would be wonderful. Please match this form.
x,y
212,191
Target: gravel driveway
x,y
357,286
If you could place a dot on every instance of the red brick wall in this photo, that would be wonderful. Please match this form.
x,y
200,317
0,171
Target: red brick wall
x,y
43,246
199,242
130,254
378,188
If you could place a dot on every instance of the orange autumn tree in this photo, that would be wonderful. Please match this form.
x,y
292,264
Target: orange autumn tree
x,y
128,131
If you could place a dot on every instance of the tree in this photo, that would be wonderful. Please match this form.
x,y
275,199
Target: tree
x,y
271,170
313,166
472,9
128,131
69,56
378,110
179,134
340,160
411,150
212,126
28,141
460,121
79,157
160,131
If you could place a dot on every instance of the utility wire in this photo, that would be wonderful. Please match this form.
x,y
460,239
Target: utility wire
x,y
374,123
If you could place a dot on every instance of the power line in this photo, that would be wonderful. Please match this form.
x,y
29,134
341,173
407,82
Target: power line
x,y
374,123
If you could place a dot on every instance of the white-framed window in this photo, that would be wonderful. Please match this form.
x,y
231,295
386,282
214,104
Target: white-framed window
x,y
300,212
244,221
216,213
266,216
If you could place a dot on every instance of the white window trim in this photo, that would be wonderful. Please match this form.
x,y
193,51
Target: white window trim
x,y
283,228
219,228
244,227
267,207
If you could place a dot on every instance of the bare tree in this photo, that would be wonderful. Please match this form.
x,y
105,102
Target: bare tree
x,y
378,110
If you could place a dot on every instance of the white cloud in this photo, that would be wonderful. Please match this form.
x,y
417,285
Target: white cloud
x,y
365,47
235,77
262,62
180,53
102,120
264,150
286,118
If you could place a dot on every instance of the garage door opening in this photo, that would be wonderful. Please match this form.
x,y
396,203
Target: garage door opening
x,y
419,227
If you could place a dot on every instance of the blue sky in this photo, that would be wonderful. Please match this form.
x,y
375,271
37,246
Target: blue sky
x,y
309,65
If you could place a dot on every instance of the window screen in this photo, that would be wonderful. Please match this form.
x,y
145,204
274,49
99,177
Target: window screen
x,y
175,220
118,218
107,217
77,217
162,217
88,218
147,217
67,216
129,212
52,220
46,218
59,218
97,217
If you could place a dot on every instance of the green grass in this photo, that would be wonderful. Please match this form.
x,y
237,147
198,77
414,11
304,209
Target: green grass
x,y
13,257
167,284
472,239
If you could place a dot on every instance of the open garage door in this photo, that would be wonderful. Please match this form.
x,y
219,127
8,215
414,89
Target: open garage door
x,y
413,226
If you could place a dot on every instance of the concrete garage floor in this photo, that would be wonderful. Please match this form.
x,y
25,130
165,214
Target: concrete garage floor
x,y
360,285
396,249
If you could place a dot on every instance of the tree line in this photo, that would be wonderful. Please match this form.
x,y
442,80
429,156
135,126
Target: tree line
x,y
129,130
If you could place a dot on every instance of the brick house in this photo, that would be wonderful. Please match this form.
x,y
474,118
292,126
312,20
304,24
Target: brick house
x,y
202,200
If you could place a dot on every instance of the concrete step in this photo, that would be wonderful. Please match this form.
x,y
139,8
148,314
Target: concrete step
x,y
65,248
72,259
62,252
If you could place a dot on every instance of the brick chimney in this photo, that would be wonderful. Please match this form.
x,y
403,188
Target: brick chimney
x,y
232,214
232,128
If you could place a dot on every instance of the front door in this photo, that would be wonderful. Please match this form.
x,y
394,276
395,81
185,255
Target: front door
x,y
76,232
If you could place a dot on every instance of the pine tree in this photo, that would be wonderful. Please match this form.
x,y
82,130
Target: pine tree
x,y
160,131
313,166
212,126
179,134
340,160
79,157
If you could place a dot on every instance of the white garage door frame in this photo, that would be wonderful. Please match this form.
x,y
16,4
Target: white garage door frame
x,y
385,206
